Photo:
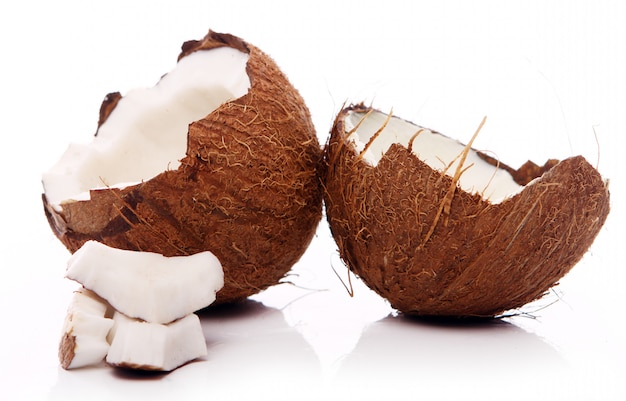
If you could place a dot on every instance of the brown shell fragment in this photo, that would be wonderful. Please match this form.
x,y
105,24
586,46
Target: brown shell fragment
x,y
107,106
247,190
66,350
484,258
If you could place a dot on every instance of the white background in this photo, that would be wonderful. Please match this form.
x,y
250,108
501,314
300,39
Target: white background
x,y
549,76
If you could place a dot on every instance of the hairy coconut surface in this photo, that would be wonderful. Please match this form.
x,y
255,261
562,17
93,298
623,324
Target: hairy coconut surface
x,y
247,187
420,238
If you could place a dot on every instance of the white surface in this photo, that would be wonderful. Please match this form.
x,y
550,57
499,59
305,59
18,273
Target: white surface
x,y
547,75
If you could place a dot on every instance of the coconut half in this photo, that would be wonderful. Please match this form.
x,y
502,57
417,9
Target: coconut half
x,y
220,155
440,229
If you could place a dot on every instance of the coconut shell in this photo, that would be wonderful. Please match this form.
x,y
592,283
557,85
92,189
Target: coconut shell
x,y
247,190
481,259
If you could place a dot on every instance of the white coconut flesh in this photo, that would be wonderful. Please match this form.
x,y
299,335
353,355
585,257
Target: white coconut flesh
x,y
139,344
146,133
87,322
147,285
438,151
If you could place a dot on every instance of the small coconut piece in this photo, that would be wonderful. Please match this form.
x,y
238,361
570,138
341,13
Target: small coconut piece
x,y
136,344
220,155
85,330
438,228
147,285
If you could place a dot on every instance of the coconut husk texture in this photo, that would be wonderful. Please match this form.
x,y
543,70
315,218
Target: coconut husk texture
x,y
477,260
247,190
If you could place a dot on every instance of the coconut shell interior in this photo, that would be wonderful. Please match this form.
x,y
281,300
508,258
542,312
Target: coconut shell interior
x,y
480,259
247,190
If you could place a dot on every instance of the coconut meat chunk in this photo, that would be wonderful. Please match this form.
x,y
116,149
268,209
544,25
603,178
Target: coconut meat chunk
x,y
147,285
146,132
85,330
438,151
137,344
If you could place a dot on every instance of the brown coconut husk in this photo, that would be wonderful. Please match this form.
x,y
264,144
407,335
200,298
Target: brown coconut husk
x,y
248,189
483,258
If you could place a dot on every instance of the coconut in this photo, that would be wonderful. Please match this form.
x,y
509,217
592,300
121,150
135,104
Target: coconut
x,y
441,229
220,155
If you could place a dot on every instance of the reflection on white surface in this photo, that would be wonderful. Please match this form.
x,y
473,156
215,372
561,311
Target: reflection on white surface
x,y
252,350
451,359
255,354
368,351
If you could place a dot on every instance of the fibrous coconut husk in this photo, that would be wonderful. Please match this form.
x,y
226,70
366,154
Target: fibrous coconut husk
x,y
483,258
247,190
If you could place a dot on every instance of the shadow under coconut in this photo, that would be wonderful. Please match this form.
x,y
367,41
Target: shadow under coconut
x,y
134,374
474,357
